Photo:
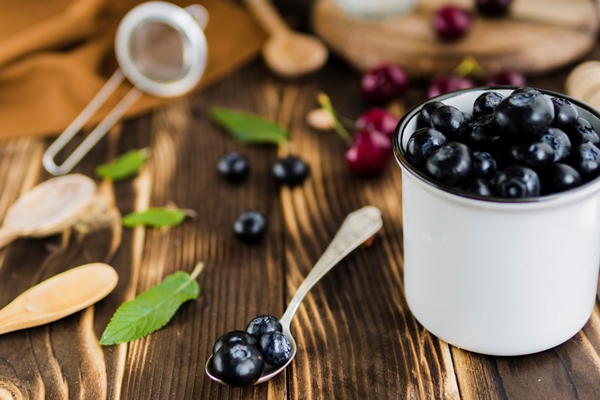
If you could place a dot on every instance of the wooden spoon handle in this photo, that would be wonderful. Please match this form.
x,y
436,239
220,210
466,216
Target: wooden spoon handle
x,y
7,235
267,16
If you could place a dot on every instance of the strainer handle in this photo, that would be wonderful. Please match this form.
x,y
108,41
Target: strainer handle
x,y
98,132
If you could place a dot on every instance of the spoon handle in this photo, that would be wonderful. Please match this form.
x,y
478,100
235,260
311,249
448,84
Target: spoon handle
x,y
267,16
358,226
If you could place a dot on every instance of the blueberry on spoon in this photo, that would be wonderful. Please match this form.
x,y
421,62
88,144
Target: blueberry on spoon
x,y
238,364
234,337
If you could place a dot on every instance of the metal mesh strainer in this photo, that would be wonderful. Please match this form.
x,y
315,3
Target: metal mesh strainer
x,y
157,52
161,50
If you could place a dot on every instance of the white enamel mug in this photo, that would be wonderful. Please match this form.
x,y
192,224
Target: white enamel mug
x,y
498,277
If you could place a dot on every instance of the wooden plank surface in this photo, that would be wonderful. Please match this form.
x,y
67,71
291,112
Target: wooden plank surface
x,y
357,338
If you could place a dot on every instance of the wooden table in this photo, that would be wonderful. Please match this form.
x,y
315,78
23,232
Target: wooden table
x,y
356,336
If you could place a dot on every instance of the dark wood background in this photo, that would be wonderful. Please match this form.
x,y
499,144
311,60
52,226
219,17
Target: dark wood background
x,y
356,336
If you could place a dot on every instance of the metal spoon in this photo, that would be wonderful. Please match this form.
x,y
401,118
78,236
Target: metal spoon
x,y
287,53
358,227
58,296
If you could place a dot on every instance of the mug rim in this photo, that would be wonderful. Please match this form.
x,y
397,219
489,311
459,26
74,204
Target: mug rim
x,y
570,194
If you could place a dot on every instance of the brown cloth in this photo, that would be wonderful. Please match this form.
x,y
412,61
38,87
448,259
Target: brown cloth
x,y
55,55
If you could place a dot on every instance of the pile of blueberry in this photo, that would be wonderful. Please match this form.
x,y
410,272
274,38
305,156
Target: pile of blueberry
x,y
251,226
526,144
239,357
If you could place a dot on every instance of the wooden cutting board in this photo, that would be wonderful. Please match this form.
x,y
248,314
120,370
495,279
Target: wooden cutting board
x,y
538,35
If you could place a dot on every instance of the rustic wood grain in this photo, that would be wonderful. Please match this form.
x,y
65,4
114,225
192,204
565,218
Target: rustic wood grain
x,y
526,41
357,338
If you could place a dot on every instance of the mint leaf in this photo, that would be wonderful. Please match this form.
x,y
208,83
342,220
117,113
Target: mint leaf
x,y
155,217
153,309
124,166
249,128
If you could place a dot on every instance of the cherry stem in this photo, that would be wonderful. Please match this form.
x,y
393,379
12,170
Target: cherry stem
x,y
325,103
346,122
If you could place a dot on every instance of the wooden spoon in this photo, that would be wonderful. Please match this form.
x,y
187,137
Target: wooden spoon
x,y
49,208
287,53
583,82
59,296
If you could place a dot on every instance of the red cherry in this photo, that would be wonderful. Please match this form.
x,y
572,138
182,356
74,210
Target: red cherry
x,y
383,82
451,22
448,83
369,152
378,119
507,78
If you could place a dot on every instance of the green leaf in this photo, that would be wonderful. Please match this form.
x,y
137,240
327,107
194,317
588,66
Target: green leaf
x,y
249,128
124,166
155,217
153,309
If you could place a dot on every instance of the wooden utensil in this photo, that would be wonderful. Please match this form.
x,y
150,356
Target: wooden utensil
x,y
583,82
48,208
59,296
537,36
287,53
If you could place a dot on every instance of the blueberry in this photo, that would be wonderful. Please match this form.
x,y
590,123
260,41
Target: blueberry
x,y
290,170
561,177
526,89
275,348
233,167
422,143
535,155
233,337
583,132
585,158
484,134
516,182
493,8
486,103
525,113
480,187
238,364
263,324
560,143
449,120
468,117
250,226
565,113
423,120
450,164
484,165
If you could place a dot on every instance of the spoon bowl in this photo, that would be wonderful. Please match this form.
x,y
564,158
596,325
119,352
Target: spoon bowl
x,y
357,228
58,296
48,208
287,53
291,55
